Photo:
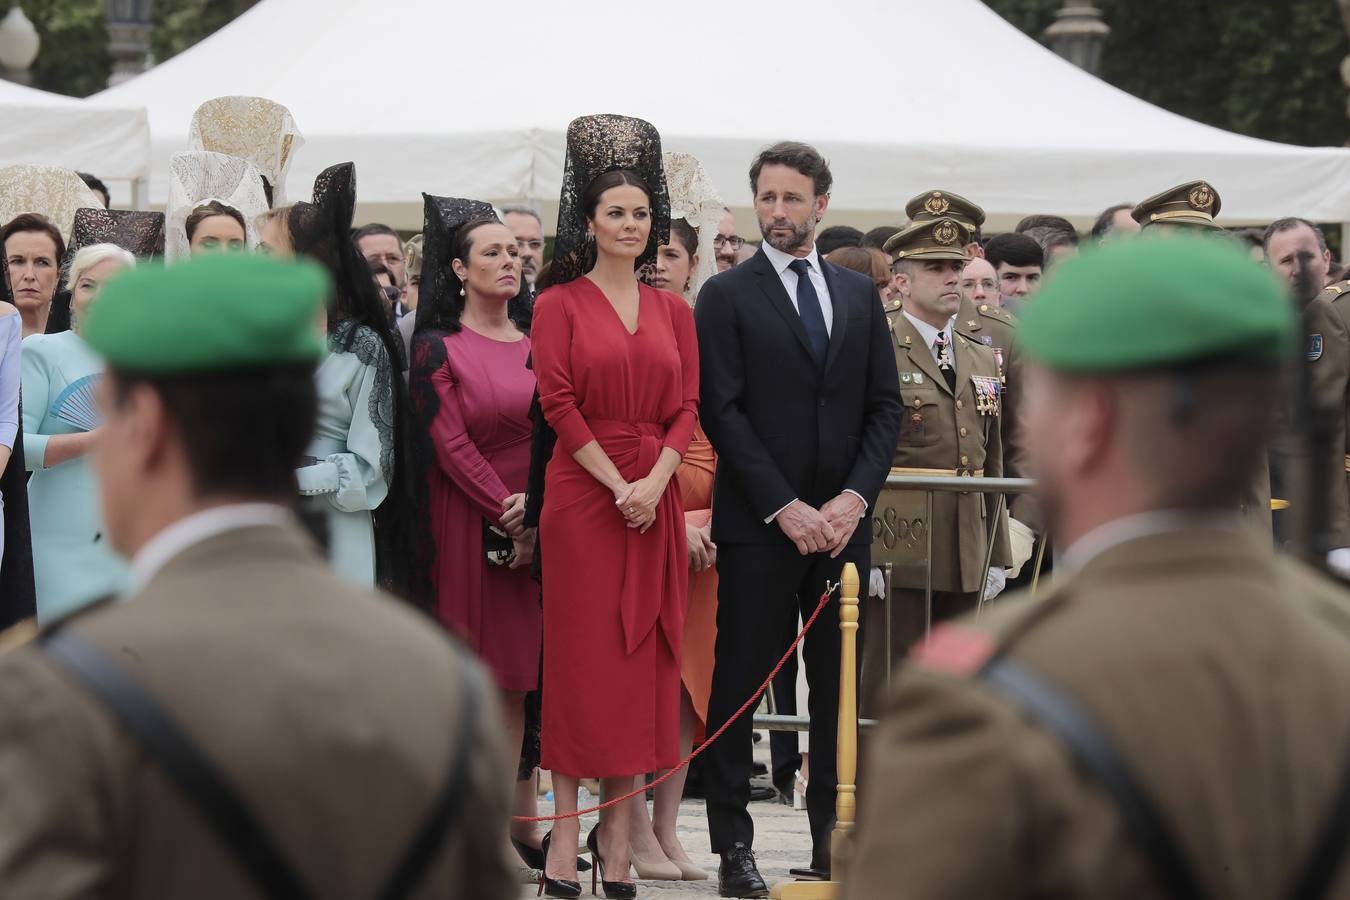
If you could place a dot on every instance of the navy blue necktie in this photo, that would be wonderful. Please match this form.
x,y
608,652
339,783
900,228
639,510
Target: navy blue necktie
x,y
808,307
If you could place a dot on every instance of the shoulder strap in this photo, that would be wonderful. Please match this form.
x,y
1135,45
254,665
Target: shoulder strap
x,y
190,771
210,792
449,803
1091,748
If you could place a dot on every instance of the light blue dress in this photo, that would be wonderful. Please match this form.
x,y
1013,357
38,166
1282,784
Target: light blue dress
x,y
354,448
11,330
72,561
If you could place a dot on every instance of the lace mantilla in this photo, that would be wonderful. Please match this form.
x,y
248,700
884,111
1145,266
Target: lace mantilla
x,y
369,349
200,176
259,130
46,190
596,145
694,199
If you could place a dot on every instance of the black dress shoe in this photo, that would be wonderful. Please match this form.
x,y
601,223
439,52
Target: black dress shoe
x,y
813,872
759,769
738,876
760,793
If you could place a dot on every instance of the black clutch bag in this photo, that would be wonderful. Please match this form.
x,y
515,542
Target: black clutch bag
x,y
497,545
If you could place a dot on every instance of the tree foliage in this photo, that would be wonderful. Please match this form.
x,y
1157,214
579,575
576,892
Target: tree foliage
x,y
1270,70
181,23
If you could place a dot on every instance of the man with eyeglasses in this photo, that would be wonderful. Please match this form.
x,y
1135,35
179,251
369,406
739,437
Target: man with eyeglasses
x,y
727,244
529,231
381,246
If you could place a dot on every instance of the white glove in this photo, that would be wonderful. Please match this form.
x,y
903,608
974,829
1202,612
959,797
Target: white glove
x,y
876,584
994,583
1339,562
1021,540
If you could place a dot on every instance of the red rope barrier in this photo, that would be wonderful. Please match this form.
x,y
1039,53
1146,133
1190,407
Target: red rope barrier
x,y
754,698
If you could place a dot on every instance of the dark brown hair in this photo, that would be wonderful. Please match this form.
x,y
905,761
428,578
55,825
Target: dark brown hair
x,y
209,210
684,233
27,222
590,198
795,155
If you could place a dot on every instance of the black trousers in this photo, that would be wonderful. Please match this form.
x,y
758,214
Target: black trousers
x,y
761,591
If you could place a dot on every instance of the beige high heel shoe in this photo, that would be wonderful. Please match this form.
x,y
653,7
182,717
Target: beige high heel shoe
x,y
662,869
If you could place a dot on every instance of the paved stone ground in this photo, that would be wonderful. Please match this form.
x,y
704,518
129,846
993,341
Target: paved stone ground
x,y
782,841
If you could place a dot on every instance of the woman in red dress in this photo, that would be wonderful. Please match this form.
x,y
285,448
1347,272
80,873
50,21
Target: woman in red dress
x,y
617,364
471,391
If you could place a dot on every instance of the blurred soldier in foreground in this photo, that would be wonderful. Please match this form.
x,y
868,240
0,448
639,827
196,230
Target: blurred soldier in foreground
x,y
244,724
1170,719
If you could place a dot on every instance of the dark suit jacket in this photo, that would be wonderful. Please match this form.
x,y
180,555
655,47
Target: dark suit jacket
x,y
784,427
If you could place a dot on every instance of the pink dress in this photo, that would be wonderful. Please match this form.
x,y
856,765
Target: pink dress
x,y
481,436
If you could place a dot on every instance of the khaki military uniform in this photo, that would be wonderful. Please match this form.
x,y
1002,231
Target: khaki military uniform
x,y
330,710
1332,391
1216,669
996,328
942,433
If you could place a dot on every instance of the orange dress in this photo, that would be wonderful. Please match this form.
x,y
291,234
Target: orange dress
x,y
695,478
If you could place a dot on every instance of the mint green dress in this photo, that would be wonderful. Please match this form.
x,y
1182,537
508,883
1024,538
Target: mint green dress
x,y
352,454
72,561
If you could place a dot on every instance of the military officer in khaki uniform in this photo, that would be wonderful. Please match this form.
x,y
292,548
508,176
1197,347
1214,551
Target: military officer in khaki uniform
x,y
1293,246
1338,295
995,328
951,426
1211,669
244,724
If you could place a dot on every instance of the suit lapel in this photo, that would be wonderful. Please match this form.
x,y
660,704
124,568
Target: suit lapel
x,y
840,308
908,337
772,286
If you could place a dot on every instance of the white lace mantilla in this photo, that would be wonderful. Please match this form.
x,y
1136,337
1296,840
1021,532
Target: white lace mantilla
x,y
694,199
259,130
198,177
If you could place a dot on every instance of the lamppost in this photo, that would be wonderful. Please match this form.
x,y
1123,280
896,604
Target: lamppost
x,y
1078,33
129,25
19,45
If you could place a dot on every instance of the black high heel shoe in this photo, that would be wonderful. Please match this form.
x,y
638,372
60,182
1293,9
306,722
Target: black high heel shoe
x,y
614,890
534,856
556,887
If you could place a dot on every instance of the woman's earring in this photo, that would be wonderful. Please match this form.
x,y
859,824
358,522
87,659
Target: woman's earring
x,y
461,290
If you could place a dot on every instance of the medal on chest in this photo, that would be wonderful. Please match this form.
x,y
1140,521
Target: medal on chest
x,y
986,394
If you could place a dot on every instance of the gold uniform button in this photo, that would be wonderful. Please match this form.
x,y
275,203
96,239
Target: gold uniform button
x,y
960,405
964,432
917,402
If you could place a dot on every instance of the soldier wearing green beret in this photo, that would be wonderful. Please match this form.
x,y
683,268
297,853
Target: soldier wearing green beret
x,y
244,723
1190,205
1169,719
952,425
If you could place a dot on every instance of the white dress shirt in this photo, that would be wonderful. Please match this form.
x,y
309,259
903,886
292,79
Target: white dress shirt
x,y
186,533
929,335
780,262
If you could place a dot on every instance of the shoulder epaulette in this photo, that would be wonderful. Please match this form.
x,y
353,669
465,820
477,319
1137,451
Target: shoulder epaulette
x,y
963,647
1338,288
997,312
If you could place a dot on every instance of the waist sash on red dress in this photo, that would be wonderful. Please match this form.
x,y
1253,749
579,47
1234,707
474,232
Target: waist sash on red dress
x,y
654,582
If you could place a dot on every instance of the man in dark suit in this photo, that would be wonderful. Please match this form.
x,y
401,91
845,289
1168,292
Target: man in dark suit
x,y
801,401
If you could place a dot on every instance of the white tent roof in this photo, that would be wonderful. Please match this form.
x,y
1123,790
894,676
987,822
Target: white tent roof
x,y
471,100
55,130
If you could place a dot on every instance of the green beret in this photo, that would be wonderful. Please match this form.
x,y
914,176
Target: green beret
x,y
223,311
1156,303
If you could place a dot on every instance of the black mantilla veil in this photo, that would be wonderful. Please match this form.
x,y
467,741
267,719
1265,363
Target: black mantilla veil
x,y
18,596
596,145
139,232
358,322
439,308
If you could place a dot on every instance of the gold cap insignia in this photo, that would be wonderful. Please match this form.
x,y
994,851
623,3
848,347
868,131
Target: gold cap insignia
x,y
1201,198
945,232
937,204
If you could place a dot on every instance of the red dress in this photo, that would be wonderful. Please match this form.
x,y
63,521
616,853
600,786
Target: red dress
x,y
614,599
481,435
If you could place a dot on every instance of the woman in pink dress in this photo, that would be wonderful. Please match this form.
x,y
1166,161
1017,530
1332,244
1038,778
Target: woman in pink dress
x,y
471,391
617,363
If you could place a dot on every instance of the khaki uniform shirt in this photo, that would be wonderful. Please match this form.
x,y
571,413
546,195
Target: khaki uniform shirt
x,y
996,328
330,709
954,434
1217,670
1330,320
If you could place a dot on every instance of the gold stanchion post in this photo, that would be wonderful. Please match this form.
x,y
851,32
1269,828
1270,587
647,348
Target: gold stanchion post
x,y
846,803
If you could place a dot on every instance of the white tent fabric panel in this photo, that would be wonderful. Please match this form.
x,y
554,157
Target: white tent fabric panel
x,y
475,102
54,130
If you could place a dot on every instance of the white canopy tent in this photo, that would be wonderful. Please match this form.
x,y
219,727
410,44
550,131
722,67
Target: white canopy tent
x,y
463,99
112,142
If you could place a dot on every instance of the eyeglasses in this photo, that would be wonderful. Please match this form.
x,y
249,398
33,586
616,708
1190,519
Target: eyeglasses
x,y
735,241
988,284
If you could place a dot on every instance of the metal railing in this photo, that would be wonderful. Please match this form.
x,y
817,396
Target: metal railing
x,y
929,485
